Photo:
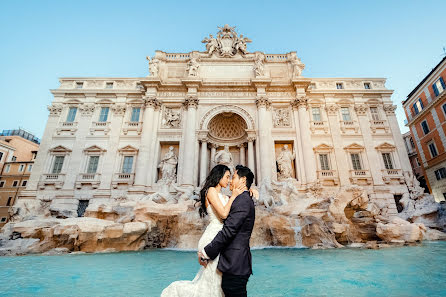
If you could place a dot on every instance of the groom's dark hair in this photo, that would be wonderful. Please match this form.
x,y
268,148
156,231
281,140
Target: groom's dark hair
x,y
243,171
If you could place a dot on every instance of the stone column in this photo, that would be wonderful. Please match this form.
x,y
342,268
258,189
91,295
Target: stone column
x,y
203,160
242,154
263,106
307,146
191,104
251,162
153,167
397,137
372,155
300,172
341,162
213,152
146,137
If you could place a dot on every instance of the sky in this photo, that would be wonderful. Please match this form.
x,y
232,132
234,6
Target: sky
x,y
41,41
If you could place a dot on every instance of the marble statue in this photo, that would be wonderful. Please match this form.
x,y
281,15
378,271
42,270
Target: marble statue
x,y
168,166
153,66
192,67
227,43
224,157
258,65
284,161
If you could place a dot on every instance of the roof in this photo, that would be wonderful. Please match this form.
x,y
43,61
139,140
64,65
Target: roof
x,y
424,80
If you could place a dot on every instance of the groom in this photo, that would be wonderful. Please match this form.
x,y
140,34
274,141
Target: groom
x,y
232,242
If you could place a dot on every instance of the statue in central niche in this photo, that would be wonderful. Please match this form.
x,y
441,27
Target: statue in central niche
x,y
224,157
284,162
168,166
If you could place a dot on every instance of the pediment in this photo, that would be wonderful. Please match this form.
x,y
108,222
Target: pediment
x,y
354,147
323,147
128,149
60,149
104,101
385,147
94,149
72,101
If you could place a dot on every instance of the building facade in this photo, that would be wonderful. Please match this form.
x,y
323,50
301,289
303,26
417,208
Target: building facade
x,y
112,137
425,109
414,160
18,150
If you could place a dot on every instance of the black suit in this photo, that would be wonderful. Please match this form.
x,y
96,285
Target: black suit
x,y
232,243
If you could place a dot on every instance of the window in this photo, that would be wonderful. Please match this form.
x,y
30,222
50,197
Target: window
x,y
356,162
439,86
30,167
81,207
367,86
411,143
21,167
2,220
135,114
104,114
127,164
58,163
2,184
345,114
15,183
418,106
316,111
109,85
440,173
79,85
418,161
14,158
24,182
323,158
433,149
425,127
387,161
1,156
34,155
71,114
9,201
374,112
339,86
7,167
93,162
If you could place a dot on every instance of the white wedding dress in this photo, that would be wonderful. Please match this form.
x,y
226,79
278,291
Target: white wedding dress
x,y
207,282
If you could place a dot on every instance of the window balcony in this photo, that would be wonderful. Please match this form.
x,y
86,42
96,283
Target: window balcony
x,y
318,126
93,179
132,126
100,126
123,179
55,179
67,128
390,175
328,177
349,126
376,125
360,177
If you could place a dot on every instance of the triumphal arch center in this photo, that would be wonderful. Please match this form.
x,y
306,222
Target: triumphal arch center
x,y
158,136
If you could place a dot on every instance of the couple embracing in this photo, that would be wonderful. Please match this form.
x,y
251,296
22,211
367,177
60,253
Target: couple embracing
x,y
223,249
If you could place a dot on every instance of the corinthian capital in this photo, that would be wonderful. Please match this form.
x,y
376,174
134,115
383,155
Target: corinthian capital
x,y
191,101
55,109
389,109
361,109
300,101
332,109
263,101
151,101
119,109
87,109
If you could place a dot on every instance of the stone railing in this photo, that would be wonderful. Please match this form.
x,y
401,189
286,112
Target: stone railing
x,y
318,125
177,57
100,126
94,179
276,58
392,174
123,178
67,127
349,125
55,179
328,177
360,177
132,126
379,124
69,124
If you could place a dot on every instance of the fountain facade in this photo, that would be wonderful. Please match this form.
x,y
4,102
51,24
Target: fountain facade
x,y
128,155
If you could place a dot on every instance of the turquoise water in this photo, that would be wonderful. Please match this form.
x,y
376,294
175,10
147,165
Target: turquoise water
x,y
404,271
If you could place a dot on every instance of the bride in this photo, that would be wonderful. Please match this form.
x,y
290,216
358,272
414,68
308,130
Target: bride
x,y
207,282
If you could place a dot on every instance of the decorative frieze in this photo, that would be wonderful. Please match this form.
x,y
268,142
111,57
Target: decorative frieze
x,y
282,117
390,109
87,109
55,109
119,109
171,118
332,109
361,109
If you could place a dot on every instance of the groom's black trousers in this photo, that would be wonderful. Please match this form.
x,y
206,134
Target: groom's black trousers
x,y
234,285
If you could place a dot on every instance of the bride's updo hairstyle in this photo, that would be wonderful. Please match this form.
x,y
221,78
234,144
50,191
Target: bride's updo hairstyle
x,y
212,180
